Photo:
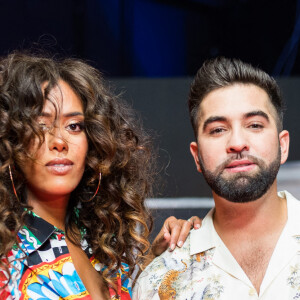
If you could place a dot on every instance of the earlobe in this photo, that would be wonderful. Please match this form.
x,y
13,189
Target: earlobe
x,y
194,152
284,140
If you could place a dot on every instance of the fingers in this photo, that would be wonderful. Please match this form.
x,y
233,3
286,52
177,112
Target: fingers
x,y
193,222
185,230
174,227
174,232
162,240
196,222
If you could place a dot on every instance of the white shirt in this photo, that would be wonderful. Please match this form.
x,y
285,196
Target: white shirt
x,y
205,269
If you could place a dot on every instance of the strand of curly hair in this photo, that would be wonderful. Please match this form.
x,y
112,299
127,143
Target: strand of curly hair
x,y
116,220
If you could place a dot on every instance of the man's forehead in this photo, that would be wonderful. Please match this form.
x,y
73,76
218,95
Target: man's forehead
x,y
236,99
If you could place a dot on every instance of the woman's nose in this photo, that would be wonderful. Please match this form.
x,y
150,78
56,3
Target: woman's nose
x,y
56,141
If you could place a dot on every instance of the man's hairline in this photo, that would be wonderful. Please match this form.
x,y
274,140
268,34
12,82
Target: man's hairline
x,y
196,118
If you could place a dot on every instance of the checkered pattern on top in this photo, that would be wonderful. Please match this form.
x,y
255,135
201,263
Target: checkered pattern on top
x,y
42,267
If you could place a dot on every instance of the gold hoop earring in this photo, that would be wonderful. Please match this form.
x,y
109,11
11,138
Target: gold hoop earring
x,y
12,182
99,181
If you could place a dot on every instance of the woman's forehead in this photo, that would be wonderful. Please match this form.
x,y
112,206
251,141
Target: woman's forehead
x,y
61,99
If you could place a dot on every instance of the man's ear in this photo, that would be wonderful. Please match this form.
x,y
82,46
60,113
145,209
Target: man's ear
x,y
284,140
195,154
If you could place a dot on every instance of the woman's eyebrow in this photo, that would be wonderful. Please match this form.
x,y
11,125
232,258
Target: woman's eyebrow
x,y
73,114
45,114
70,114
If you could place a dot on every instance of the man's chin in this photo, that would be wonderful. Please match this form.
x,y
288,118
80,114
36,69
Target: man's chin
x,y
243,187
227,175
240,181
240,188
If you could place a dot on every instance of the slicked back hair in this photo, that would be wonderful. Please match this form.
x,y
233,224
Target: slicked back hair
x,y
222,72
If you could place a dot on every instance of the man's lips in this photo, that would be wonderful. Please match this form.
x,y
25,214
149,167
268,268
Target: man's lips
x,y
240,166
59,166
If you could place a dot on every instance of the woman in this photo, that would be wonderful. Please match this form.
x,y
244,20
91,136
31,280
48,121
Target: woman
x,y
74,172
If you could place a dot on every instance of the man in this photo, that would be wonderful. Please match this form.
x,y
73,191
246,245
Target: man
x,y
248,246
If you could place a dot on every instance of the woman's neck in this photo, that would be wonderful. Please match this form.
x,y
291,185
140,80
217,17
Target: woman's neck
x,y
51,208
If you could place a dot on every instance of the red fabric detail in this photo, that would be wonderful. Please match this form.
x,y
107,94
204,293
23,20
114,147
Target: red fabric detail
x,y
32,269
5,294
59,236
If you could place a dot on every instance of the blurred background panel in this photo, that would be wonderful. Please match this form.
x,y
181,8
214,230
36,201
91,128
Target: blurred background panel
x,y
162,103
150,49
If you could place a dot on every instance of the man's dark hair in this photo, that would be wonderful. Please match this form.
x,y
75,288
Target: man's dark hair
x,y
221,72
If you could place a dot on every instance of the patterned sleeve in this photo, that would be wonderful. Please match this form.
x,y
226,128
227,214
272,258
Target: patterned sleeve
x,y
156,281
147,285
4,290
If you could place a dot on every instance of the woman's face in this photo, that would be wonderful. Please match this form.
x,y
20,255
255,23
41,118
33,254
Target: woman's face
x,y
59,163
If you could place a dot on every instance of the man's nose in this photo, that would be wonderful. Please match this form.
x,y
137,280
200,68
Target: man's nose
x,y
237,142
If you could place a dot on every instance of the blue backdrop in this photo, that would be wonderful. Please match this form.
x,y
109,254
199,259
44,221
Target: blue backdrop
x,y
157,38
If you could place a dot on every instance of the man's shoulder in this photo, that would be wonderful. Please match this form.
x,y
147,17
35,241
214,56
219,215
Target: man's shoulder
x,y
168,259
174,260
177,274
164,265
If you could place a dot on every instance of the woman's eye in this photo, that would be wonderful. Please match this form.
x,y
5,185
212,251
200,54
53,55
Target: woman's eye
x,y
75,127
43,126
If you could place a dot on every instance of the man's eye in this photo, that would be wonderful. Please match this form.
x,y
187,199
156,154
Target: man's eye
x,y
216,131
256,126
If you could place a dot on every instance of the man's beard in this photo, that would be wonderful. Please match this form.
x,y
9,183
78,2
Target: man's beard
x,y
240,187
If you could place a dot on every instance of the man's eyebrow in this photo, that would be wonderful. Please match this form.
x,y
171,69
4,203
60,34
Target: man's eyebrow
x,y
247,115
67,115
213,119
257,113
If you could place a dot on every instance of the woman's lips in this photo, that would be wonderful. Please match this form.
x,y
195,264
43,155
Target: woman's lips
x,y
59,166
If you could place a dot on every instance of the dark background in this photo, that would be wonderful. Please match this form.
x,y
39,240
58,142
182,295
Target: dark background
x,y
155,38
150,49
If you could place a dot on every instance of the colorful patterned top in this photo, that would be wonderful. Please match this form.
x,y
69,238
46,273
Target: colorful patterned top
x,y
205,269
47,271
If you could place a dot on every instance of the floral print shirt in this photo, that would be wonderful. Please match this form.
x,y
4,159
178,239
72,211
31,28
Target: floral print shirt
x,y
205,269
45,269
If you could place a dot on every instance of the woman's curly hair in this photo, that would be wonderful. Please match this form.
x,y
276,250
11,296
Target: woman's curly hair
x,y
116,219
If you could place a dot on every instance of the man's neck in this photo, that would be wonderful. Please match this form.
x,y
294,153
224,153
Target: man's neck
x,y
249,229
267,212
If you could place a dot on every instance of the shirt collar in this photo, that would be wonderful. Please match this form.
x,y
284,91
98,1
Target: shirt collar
x,y
206,237
35,232
293,208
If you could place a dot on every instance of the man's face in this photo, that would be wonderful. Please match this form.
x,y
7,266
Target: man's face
x,y
239,150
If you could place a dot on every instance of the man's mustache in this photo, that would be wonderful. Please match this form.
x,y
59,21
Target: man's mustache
x,y
237,157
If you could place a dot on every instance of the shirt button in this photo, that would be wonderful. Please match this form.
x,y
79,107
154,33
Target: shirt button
x,y
252,292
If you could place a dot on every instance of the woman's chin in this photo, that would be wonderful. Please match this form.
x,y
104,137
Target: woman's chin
x,y
50,192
